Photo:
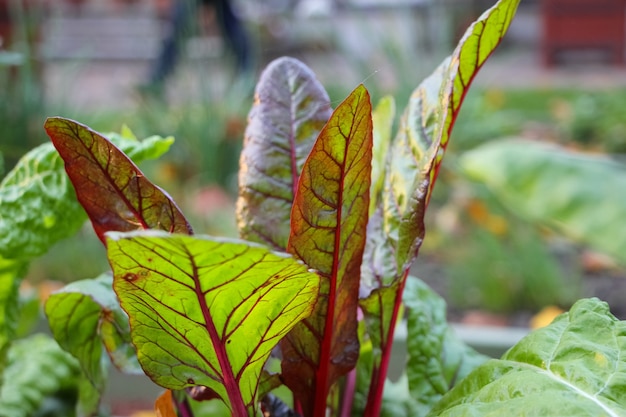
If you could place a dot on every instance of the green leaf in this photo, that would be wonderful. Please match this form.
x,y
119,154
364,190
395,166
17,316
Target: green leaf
x,y
37,368
438,359
290,109
85,314
10,277
574,367
579,195
38,206
112,190
328,223
207,312
88,401
415,155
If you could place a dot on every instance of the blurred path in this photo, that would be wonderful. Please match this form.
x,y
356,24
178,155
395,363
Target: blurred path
x,y
96,62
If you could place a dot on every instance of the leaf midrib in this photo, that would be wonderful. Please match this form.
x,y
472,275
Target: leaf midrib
x,y
569,385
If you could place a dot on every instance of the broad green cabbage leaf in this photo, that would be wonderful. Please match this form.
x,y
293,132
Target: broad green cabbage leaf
x,y
576,366
438,359
37,368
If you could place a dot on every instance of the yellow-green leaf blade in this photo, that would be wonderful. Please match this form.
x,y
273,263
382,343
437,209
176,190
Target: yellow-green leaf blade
x,y
428,122
83,316
205,311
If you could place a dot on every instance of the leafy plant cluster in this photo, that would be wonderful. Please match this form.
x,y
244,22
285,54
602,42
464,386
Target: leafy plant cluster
x,y
331,217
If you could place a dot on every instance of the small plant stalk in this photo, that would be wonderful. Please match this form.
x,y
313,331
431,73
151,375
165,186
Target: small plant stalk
x,y
379,373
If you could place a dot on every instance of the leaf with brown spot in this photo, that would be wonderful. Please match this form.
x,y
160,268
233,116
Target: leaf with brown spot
x,y
206,311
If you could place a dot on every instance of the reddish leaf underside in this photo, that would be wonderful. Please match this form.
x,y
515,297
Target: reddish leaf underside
x,y
290,108
112,190
328,226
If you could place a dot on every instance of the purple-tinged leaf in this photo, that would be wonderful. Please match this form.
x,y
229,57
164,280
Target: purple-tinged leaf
x,y
290,108
112,190
38,205
208,312
328,227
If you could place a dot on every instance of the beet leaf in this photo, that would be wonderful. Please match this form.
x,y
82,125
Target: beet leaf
x,y
84,316
415,156
38,205
112,190
290,109
207,312
328,225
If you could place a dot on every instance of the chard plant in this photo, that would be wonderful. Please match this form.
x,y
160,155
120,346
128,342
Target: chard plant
x,y
297,317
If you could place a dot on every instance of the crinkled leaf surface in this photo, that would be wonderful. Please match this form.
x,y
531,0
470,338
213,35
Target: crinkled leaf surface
x,y
328,223
11,273
112,190
438,359
38,205
85,314
206,311
37,368
576,366
579,195
290,108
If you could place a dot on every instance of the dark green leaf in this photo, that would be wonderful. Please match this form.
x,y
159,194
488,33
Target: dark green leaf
x,y
438,359
290,109
112,190
37,368
10,278
574,367
207,312
328,223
